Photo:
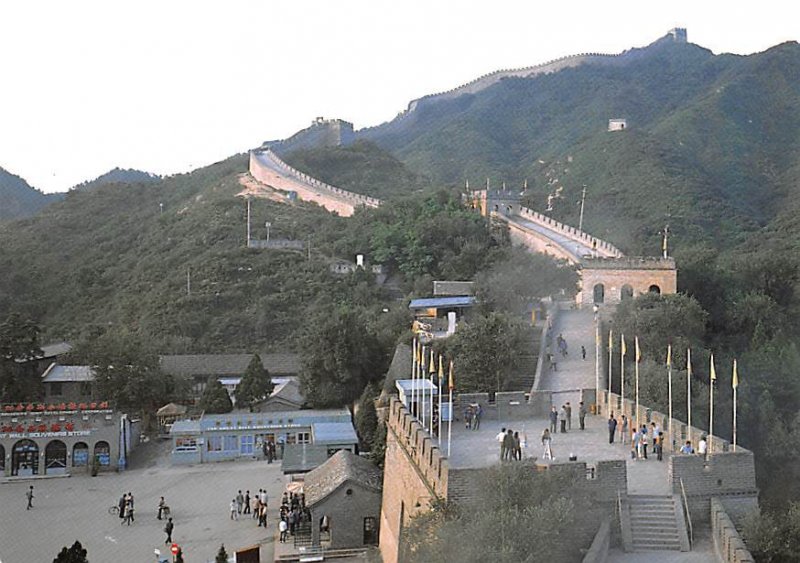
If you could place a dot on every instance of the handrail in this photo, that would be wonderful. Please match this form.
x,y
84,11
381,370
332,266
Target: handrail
x,y
686,515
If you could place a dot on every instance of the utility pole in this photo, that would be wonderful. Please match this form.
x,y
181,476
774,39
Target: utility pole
x,y
583,200
248,221
268,225
666,237
188,281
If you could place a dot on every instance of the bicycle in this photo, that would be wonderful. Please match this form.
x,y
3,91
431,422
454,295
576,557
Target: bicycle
x,y
114,510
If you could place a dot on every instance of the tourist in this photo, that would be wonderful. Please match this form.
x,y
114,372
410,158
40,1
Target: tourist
x,y
501,439
644,440
168,527
476,421
517,447
123,500
130,502
553,419
546,440
282,526
563,415
687,448
582,415
262,515
637,443
239,502
468,417
612,428
624,426
270,451
234,513
568,408
263,497
255,504
508,445
128,517
29,496
659,446
702,446
583,352
161,505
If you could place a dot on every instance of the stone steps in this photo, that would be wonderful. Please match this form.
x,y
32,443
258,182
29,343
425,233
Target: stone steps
x,y
653,523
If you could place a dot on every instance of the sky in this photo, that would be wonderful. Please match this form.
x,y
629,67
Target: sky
x,y
167,86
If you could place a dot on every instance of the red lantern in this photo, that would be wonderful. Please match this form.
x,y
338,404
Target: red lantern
x,y
19,428
72,406
82,406
56,427
29,408
40,407
69,426
104,405
32,428
42,428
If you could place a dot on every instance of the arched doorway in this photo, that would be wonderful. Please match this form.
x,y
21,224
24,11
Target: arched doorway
x,y
55,458
599,293
626,292
102,453
654,289
25,459
2,459
80,455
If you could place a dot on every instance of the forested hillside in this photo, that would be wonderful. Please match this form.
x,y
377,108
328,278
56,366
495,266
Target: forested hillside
x,y
711,146
18,199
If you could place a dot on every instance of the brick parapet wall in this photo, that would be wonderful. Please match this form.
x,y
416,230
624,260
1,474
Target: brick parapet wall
x,y
604,249
728,544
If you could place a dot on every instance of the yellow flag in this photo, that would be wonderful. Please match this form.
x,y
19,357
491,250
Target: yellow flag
x,y
669,355
610,340
638,352
432,369
735,381
441,369
624,348
451,384
713,370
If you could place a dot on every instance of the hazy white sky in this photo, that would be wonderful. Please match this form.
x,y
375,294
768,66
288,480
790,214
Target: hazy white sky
x,y
170,85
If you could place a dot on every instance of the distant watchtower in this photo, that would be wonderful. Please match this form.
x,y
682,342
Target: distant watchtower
x,y
504,202
678,34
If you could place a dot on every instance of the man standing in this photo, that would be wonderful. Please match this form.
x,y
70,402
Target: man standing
x,y
582,415
568,408
508,445
29,495
239,502
168,530
612,428
501,436
583,352
161,504
476,422
553,419
246,502
563,415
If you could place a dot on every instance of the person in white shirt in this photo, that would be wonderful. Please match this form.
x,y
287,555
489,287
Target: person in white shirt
x,y
500,437
687,448
702,447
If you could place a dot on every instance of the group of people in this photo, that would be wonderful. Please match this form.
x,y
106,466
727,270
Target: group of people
x,y
643,436
511,444
126,509
472,416
565,417
293,513
268,447
255,505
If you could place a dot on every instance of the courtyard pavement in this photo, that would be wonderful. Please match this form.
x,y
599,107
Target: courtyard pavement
x,y
76,508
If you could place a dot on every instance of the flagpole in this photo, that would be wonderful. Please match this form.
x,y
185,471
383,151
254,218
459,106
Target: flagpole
x,y
636,371
669,387
735,384
421,398
622,374
441,388
610,357
689,393
450,420
713,378
414,365
433,372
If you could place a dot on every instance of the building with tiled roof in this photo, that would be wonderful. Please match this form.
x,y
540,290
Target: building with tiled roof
x,y
344,497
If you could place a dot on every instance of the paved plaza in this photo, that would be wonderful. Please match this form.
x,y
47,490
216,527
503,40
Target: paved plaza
x,y
76,508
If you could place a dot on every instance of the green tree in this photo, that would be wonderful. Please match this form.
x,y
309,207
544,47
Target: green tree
x,y
222,555
366,416
521,279
485,351
215,399
256,384
74,554
339,358
19,340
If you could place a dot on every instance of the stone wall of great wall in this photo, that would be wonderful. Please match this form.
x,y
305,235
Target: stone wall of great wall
x,y
603,249
321,133
270,170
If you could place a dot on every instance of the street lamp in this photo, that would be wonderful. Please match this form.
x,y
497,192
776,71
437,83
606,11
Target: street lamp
x,y
267,225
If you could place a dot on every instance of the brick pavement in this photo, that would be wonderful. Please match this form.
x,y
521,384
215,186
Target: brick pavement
x,y
67,509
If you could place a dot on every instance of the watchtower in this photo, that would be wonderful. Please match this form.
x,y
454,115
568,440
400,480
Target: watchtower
x,y
505,202
612,280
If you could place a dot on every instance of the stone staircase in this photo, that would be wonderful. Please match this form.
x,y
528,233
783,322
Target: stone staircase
x,y
655,523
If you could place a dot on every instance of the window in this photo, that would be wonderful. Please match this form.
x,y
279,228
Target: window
x,y
247,445
215,443
186,444
371,530
231,443
304,437
56,389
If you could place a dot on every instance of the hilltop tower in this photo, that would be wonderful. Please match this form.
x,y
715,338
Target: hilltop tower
x,y
678,34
